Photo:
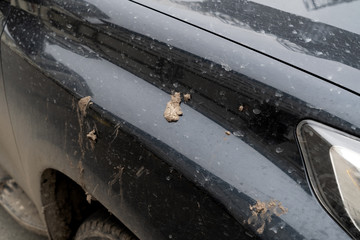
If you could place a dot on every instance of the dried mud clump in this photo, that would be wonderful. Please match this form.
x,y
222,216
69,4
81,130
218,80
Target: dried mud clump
x,y
173,110
83,104
88,197
228,133
262,212
92,135
187,97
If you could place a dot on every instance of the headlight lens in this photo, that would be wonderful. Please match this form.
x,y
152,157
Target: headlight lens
x,y
332,161
346,164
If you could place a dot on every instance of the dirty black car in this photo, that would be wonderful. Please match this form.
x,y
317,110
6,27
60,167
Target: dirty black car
x,y
178,119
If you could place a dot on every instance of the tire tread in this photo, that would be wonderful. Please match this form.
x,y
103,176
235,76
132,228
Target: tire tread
x,y
104,224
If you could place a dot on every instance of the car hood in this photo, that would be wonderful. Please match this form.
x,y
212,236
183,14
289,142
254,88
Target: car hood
x,y
321,38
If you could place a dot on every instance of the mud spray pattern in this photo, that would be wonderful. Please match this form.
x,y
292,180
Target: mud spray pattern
x,y
262,212
83,104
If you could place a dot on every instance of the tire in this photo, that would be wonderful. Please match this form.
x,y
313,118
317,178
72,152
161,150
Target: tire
x,y
103,226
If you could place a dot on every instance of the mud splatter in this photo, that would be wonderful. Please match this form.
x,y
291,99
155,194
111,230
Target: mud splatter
x,y
92,135
116,132
81,168
187,97
93,192
83,104
262,212
140,172
173,110
116,177
88,197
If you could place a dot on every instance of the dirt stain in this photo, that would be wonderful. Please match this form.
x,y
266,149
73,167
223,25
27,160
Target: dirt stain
x,y
262,212
115,133
117,177
81,169
173,110
140,172
83,104
187,97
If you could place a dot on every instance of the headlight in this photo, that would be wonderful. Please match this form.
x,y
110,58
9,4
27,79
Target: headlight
x,y
332,161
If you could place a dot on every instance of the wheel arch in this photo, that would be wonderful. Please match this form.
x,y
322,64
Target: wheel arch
x,y
65,204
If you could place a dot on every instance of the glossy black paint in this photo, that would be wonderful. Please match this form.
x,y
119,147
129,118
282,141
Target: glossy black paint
x,y
324,43
164,180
